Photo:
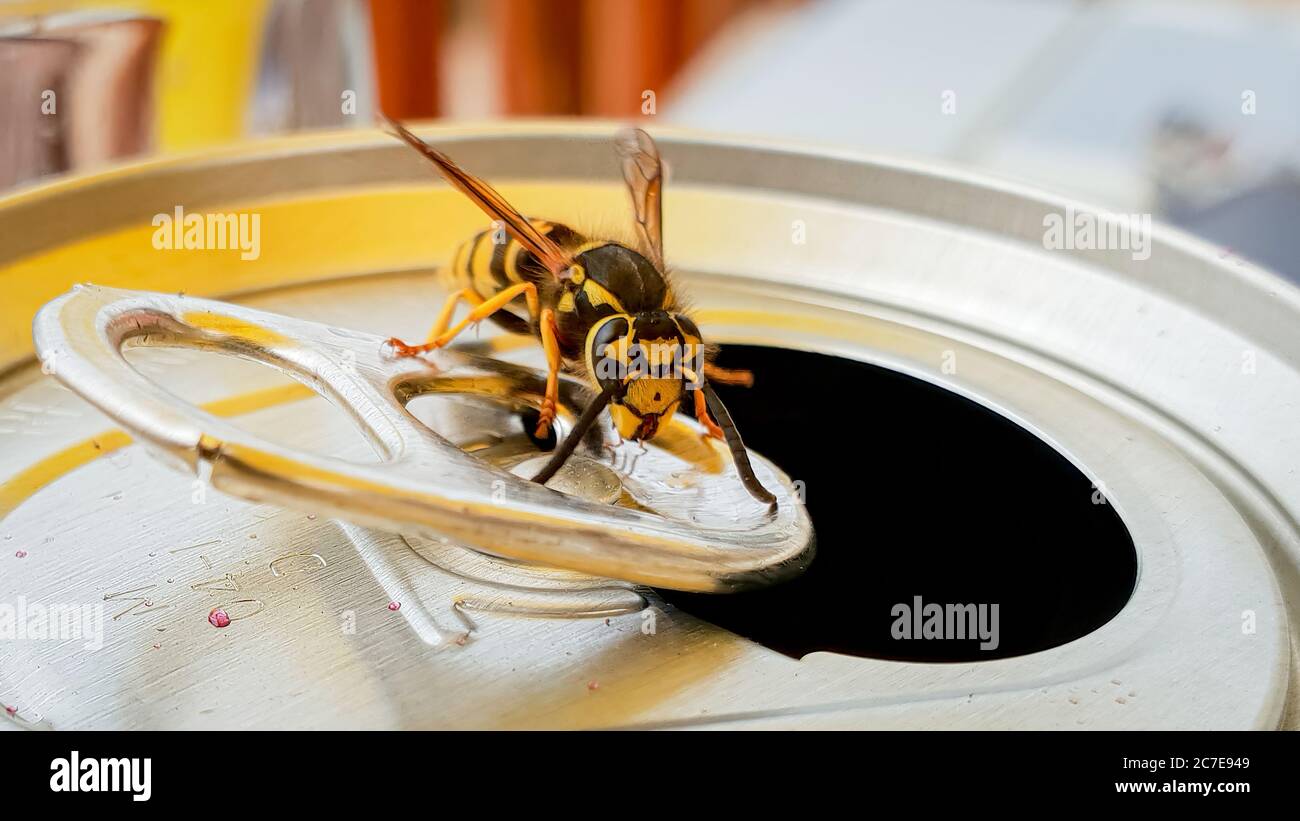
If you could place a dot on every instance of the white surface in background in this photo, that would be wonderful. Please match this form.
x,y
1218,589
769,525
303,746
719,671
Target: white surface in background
x,y
1061,94
871,74
1146,61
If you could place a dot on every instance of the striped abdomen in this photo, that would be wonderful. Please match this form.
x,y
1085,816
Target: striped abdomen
x,y
492,261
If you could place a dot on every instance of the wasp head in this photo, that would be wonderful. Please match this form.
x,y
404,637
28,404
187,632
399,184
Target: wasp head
x,y
648,361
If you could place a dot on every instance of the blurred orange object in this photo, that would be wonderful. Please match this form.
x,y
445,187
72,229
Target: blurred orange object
x,y
599,57
539,44
407,53
701,20
630,47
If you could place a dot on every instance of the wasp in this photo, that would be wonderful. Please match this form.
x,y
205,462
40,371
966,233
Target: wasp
x,y
600,309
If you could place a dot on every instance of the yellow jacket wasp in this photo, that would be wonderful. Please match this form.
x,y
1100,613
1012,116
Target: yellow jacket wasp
x,y
600,309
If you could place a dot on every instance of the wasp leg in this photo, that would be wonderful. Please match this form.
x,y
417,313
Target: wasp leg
x,y
489,307
482,311
444,319
702,415
580,428
551,344
728,376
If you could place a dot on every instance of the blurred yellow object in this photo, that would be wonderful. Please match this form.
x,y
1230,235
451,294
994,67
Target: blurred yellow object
x,y
207,66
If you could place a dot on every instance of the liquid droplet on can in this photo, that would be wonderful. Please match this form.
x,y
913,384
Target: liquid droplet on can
x,y
22,554
394,606
218,618
593,685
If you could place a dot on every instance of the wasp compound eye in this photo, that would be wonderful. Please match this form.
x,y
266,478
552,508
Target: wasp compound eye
x,y
607,355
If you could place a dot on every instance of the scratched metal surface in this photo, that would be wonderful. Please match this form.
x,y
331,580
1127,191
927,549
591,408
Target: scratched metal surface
x,y
1133,371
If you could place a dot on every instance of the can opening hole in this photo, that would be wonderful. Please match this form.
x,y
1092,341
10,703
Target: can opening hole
x,y
920,497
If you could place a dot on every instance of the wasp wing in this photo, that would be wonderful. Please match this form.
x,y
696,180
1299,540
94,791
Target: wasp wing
x,y
643,173
493,204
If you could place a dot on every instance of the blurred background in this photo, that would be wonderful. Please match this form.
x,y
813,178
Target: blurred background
x,y
1188,110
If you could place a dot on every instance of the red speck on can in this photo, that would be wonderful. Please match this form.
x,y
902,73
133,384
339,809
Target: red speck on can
x,y
593,685
22,554
218,618
394,606
13,711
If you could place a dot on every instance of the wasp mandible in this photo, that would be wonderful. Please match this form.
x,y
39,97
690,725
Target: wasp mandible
x,y
601,310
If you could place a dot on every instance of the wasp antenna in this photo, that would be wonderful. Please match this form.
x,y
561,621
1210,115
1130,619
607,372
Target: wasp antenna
x,y
737,446
580,428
